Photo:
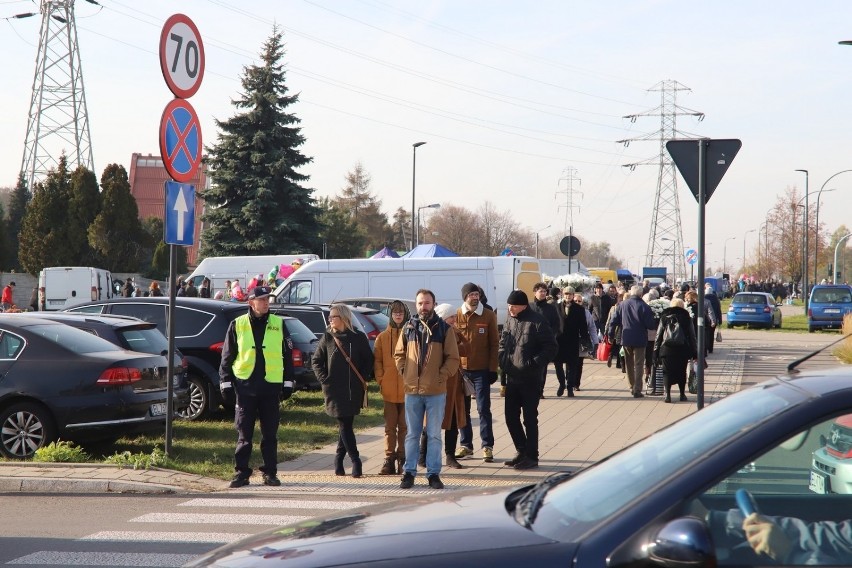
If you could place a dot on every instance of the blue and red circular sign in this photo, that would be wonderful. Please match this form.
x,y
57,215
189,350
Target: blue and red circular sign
x,y
180,140
691,256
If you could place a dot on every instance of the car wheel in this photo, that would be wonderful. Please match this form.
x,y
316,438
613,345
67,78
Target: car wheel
x,y
24,428
199,400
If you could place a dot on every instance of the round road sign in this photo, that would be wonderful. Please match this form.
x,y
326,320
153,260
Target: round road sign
x,y
691,256
181,56
180,140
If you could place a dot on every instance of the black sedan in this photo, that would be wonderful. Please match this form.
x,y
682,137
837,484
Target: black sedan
x,y
669,500
58,382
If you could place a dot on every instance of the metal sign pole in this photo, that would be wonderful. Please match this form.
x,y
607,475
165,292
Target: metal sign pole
x,y
702,185
171,354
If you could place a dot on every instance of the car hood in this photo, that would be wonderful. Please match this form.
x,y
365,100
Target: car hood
x,y
440,527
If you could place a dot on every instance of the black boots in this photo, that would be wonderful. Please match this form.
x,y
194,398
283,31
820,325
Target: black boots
x,y
356,467
338,461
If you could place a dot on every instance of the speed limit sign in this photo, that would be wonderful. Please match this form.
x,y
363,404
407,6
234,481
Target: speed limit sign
x,y
181,56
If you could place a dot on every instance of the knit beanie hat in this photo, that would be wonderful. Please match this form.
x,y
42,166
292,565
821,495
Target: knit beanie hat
x,y
518,298
468,288
445,311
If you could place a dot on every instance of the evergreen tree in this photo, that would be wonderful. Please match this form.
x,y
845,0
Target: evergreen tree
x,y
44,229
116,233
256,203
340,234
83,206
365,208
6,259
18,202
160,262
400,230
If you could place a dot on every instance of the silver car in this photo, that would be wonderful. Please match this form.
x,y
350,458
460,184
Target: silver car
x,y
832,463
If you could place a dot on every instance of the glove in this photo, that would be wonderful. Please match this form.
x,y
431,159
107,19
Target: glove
x,y
227,389
286,390
492,377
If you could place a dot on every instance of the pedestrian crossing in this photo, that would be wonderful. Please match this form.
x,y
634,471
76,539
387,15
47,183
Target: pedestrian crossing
x,y
175,537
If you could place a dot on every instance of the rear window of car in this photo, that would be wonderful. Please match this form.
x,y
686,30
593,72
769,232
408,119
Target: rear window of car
x,y
71,338
145,340
832,296
299,331
379,320
749,299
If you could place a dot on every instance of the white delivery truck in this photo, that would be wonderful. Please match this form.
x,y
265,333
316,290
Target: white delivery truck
x,y
61,287
324,281
243,268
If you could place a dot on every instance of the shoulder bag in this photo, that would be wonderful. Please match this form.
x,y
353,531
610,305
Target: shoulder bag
x,y
354,368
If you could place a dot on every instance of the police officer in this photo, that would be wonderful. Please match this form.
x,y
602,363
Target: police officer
x,y
258,377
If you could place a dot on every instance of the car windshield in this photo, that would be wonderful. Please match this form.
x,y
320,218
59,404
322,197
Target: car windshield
x,y
594,494
71,338
749,299
144,340
299,331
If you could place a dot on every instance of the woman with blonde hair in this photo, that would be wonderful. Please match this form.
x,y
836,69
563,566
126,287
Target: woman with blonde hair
x,y
343,362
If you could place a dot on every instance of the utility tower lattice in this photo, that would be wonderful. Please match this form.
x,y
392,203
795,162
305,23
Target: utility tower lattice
x,y
58,120
569,178
665,240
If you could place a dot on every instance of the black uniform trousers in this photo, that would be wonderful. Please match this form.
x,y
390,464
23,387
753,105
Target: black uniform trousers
x,y
249,409
523,398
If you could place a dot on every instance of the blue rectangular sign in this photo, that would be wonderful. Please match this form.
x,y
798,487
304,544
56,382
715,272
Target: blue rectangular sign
x,y
179,221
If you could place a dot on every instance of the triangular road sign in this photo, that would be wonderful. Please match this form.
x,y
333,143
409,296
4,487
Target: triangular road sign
x,y
719,153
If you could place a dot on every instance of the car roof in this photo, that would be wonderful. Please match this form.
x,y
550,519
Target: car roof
x,y
197,303
116,321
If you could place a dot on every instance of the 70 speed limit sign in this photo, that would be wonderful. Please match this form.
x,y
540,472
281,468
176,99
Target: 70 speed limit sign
x,y
181,56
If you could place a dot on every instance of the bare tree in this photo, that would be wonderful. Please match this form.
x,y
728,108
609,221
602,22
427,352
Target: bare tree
x,y
784,234
499,230
457,228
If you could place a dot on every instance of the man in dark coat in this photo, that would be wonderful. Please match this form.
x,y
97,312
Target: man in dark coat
x,y
548,311
712,300
527,344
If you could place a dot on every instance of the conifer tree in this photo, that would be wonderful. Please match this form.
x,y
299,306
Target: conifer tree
x,y
340,234
18,202
256,203
83,206
365,208
116,233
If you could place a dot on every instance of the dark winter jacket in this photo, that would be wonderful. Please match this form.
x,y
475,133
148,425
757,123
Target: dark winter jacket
x,y
550,313
635,318
689,349
574,328
341,387
527,344
711,299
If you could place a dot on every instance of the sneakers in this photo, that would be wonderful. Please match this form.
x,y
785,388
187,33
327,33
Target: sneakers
x,y
407,481
487,455
518,457
435,482
238,481
463,452
270,480
526,463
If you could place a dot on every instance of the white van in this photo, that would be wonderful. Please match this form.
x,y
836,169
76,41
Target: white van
x,y
243,268
61,287
324,281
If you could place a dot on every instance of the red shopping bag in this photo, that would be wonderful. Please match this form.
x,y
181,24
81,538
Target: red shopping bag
x,y
604,350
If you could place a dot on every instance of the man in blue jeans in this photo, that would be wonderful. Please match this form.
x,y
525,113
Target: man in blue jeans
x,y
426,355
479,327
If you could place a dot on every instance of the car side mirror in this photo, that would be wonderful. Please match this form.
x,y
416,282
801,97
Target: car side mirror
x,y
683,542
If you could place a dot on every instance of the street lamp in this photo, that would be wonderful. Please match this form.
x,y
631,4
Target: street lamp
x,y
536,239
432,206
805,246
413,181
725,253
816,236
744,246
837,248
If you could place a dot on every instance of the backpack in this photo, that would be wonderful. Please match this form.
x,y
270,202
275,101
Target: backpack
x,y
673,335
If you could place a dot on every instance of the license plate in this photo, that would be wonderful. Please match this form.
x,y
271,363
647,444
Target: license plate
x,y
832,311
56,302
750,310
158,409
817,483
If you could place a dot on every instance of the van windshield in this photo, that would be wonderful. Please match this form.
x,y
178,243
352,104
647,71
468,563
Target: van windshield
x,y
832,296
298,292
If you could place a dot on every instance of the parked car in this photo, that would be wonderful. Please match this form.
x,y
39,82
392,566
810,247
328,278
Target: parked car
x,y
832,464
315,316
128,333
827,306
200,327
754,308
380,304
61,382
667,500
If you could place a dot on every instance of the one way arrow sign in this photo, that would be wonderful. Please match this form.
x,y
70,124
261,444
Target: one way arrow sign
x,y
180,214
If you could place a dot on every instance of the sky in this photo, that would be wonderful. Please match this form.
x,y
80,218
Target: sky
x,y
507,95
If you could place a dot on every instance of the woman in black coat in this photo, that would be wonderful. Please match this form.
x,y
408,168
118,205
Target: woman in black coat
x,y
568,353
675,356
343,390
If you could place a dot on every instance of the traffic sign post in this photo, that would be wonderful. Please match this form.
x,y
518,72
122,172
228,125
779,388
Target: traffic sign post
x,y
702,163
182,62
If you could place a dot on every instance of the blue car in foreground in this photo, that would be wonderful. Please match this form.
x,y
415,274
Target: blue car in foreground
x,y
754,308
827,306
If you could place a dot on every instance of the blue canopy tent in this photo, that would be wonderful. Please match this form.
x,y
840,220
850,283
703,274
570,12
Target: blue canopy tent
x,y
386,252
428,251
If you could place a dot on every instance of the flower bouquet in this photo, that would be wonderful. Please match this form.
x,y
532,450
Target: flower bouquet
x,y
580,283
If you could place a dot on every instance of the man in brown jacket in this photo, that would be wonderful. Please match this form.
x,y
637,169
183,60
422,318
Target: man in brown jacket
x,y
479,327
426,355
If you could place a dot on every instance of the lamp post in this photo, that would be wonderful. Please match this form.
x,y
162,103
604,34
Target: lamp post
x,y
725,253
744,246
413,185
536,238
836,249
805,246
816,229
432,206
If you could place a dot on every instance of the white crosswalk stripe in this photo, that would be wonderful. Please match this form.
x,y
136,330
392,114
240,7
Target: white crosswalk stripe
x,y
95,547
